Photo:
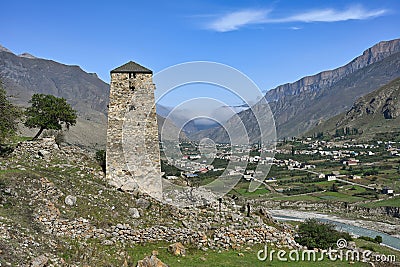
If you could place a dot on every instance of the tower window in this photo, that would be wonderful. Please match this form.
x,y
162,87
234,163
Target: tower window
x,y
131,85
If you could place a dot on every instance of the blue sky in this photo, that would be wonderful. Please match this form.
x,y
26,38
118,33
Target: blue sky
x,y
272,42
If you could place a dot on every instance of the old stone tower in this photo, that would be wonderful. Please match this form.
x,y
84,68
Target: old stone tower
x,y
133,154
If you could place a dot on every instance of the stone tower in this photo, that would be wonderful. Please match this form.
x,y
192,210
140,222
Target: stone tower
x,y
132,134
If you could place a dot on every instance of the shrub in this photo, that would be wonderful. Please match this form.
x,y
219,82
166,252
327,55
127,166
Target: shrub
x,y
101,159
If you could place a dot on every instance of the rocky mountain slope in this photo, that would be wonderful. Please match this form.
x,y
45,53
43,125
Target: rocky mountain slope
x,y
376,112
25,75
57,209
300,106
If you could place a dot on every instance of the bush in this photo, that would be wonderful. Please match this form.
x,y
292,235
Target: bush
x,y
315,234
101,159
377,239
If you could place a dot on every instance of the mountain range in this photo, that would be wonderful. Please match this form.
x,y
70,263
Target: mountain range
x,y
300,106
297,107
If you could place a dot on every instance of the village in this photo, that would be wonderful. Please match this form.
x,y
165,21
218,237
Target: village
x,y
298,167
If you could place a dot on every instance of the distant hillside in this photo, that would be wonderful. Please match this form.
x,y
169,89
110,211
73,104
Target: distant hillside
x,y
25,75
300,106
376,112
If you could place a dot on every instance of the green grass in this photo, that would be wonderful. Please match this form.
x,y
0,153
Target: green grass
x,y
339,196
392,202
257,193
378,248
10,171
106,255
17,139
298,198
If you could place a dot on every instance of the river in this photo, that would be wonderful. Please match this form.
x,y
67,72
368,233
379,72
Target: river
x,y
341,224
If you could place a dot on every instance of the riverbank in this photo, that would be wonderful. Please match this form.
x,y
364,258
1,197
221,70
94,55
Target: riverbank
x,y
371,227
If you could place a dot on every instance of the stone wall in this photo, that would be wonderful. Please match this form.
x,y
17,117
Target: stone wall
x,y
132,135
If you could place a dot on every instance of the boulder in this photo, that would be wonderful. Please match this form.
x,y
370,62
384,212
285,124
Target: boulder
x,y
151,261
134,212
142,203
70,200
130,187
39,261
177,249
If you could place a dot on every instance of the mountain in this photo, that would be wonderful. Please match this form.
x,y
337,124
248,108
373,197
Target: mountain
x,y
168,129
300,106
374,113
25,75
194,122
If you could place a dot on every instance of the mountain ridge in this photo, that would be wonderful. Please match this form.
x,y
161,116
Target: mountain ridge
x,y
371,55
307,102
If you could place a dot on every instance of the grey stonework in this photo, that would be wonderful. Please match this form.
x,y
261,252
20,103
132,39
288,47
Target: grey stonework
x,y
132,135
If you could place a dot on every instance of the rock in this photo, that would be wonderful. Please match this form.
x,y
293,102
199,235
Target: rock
x,y
39,261
134,212
70,200
142,203
177,249
151,261
107,242
43,153
185,224
130,187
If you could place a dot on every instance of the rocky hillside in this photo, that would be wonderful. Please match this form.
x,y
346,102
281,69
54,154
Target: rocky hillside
x,y
56,209
376,112
25,75
300,106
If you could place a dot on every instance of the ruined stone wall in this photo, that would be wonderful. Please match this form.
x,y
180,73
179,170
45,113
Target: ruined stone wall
x,y
132,120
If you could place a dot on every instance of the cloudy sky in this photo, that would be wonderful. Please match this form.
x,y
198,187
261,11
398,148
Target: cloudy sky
x,y
272,42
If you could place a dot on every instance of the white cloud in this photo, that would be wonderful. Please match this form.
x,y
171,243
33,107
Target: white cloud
x,y
332,15
234,21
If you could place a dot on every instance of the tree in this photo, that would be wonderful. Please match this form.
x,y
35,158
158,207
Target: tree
x,y
48,112
315,234
9,115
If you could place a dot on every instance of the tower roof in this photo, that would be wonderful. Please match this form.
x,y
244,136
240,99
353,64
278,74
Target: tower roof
x,y
131,67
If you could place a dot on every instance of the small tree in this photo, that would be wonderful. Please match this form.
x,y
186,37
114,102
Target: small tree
x,y
49,113
9,115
